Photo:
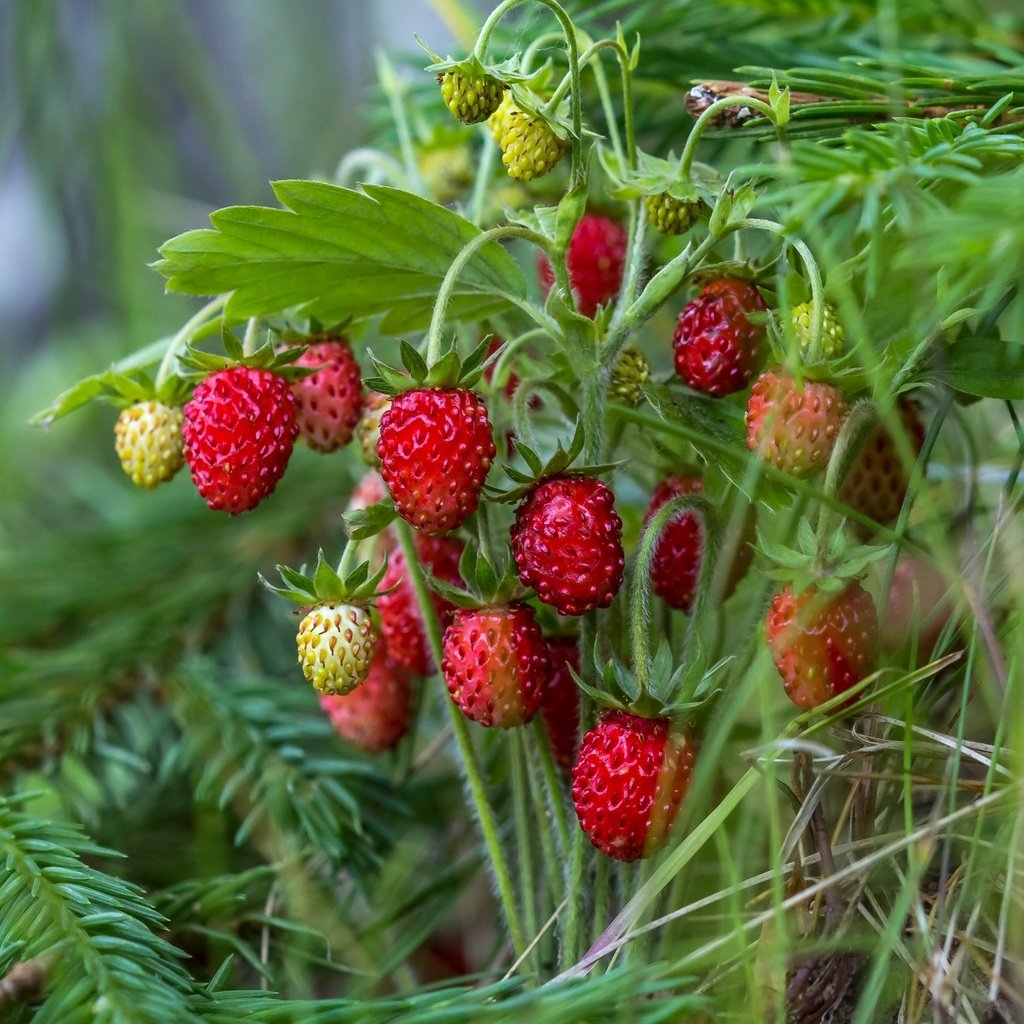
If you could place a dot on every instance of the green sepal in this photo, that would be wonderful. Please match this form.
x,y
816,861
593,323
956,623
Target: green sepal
x,y
732,204
450,371
654,176
361,523
484,584
347,584
266,357
507,71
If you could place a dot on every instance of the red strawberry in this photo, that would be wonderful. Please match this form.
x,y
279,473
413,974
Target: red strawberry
x,y
596,257
560,707
716,346
435,448
401,624
628,782
794,428
496,664
822,643
567,543
675,570
877,481
375,715
329,401
368,491
239,430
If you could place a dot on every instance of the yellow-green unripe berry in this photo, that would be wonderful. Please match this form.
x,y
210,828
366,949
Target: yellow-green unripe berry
x,y
529,148
147,439
499,119
672,216
471,98
631,372
336,644
833,337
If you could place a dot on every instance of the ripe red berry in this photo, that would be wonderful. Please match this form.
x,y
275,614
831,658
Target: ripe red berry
x,y
560,706
675,569
567,543
239,430
401,624
794,427
435,448
496,664
716,346
375,715
329,401
877,482
917,610
596,257
628,782
822,643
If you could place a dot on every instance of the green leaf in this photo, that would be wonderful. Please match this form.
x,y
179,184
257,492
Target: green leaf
x,y
366,522
985,367
335,252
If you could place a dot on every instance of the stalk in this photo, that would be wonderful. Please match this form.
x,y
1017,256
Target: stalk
x,y
184,336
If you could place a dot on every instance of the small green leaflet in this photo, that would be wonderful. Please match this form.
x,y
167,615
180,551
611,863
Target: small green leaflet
x,y
334,252
985,367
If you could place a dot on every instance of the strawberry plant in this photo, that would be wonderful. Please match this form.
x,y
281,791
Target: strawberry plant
x,y
669,670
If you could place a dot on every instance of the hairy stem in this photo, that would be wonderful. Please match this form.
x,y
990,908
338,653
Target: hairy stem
x,y
184,336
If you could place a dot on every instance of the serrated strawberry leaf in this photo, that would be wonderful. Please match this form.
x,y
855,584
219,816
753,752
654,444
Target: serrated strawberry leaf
x,y
333,252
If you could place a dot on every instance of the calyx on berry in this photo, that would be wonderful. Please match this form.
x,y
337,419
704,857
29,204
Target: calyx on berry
x,y
683,691
558,464
449,371
347,584
266,357
486,584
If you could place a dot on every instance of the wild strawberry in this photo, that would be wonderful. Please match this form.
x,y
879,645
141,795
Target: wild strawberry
x,y
628,782
794,427
401,623
716,346
470,98
529,147
368,426
498,121
596,258
877,482
833,338
147,439
670,215
917,609
435,448
328,401
336,643
560,705
239,430
822,643
567,543
374,716
496,664
631,372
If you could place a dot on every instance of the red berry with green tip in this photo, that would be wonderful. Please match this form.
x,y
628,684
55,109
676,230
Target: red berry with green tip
x,y
628,782
374,716
496,664
596,258
716,347
793,426
436,446
567,543
330,400
239,432
822,642
401,623
560,706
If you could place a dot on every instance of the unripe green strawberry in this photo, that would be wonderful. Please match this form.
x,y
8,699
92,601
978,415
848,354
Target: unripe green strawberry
x,y
447,171
629,375
529,148
368,427
671,216
470,98
147,439
794,426
336,644
833,338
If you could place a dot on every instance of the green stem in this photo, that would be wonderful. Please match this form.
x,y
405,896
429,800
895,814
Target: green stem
x,y
686,160
554,788
525,829
393,87
184,336
470,765
488,154
444,293
252,329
